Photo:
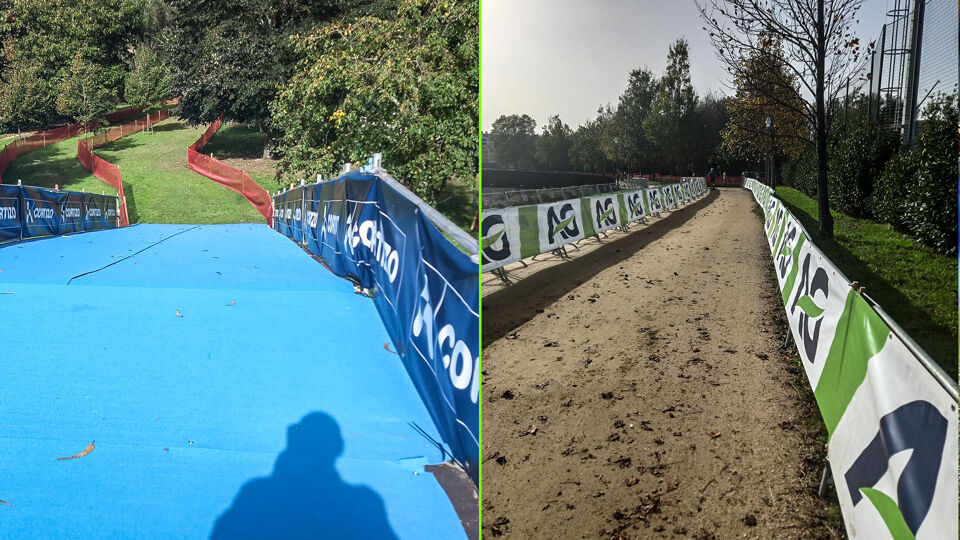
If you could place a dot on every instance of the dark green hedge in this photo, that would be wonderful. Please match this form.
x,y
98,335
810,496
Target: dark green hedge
x,y
857,157
930,209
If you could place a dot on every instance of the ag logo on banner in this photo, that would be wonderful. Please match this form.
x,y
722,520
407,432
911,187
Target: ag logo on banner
x,y
559,224
656,205
635,207
814,306
499,238
668,197
603,209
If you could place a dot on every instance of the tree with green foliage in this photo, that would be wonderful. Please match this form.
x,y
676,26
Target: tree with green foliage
x,y
612,144
41,40
586,154
707,138
765,88
85,93
513,138
670,123
22,102
406,87
818,47
148,81
230,59
633,108
553,145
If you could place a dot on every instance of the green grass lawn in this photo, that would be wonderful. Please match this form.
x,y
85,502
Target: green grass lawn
x,y
53,165
159,186
914,284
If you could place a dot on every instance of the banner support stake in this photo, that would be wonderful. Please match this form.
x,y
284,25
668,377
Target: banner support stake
x,y
825,479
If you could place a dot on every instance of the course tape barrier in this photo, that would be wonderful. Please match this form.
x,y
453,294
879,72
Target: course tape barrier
x,y
367,227
227,176
32,212
519,232
103,169
891,424
44,138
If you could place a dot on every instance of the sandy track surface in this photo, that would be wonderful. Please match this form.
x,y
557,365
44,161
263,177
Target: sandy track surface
x,y
640,390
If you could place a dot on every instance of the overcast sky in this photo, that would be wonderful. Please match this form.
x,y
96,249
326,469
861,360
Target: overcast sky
x,y
568,57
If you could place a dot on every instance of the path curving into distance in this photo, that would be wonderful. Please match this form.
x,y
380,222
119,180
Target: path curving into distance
x,y
651,367
215,380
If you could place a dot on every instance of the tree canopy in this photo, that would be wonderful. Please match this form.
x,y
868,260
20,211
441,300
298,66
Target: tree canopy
x,y
406,87
765,88
553,145
231,58
812,39
514,141
670,121
43,41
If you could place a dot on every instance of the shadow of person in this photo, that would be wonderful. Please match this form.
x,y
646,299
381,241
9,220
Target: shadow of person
x,y
305,496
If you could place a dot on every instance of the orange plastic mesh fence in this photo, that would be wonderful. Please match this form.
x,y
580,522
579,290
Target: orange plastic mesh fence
x,y
227,176
106,171
38,140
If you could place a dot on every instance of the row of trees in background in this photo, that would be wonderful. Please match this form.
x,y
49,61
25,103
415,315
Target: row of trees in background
x,y
328,81
792,61
659,124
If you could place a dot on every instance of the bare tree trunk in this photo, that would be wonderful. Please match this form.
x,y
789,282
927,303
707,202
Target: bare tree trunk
x,y
823,202
267,145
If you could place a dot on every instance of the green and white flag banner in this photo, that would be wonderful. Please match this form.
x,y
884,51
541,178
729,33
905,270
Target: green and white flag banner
x,y
511,234
892,427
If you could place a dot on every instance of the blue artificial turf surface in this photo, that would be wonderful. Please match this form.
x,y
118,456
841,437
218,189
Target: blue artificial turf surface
x,y
270,408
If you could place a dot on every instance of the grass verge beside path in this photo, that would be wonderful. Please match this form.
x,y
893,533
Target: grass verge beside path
x,y
914,284
159,186
52,165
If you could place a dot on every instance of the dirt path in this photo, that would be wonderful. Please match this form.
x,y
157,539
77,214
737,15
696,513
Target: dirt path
x,y
652,372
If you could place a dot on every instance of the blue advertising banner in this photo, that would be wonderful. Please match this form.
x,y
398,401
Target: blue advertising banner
x,y
10,211
34,212
41,212
288,208
368,228
98,213
72,212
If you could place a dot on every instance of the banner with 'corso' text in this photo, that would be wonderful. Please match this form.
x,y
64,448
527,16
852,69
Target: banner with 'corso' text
x,y
519,232
892,424
367,227
34,212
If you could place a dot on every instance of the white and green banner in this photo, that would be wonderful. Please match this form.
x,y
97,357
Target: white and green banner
x,y
511,234
892,426
560,223
635,205
501,237
656,201
604,211
666,195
